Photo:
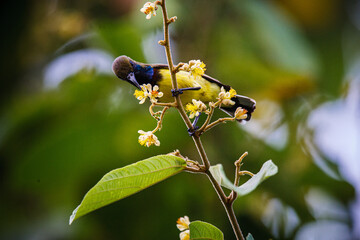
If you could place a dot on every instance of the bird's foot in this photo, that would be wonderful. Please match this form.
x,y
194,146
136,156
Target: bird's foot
x,y
192,131
194,127
181,90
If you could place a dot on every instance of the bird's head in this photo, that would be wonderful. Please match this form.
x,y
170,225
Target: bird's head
x,y
123,67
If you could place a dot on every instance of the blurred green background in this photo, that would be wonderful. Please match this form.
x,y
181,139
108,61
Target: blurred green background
x,y
66,120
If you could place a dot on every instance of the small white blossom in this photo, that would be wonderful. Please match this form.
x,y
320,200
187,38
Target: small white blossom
x,y
148,138
226,96
149,9
240,113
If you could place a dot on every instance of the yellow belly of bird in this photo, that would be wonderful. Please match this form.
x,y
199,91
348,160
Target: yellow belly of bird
x,y
208,92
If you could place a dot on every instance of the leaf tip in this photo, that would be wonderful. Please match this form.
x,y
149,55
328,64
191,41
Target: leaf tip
x,y
249,237
272,169
73,215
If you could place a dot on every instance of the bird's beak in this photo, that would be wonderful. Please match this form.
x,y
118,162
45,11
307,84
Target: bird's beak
x,y
131,78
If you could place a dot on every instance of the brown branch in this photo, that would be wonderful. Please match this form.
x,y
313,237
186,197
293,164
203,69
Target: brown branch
x,y
227,204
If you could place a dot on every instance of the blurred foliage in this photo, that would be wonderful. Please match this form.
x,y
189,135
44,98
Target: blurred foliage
x,y
57,143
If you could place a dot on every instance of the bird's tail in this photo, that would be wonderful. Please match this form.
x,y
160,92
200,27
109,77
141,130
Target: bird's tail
x,y
241,101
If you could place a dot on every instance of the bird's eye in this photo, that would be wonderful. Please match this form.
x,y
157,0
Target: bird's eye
x,y
130,76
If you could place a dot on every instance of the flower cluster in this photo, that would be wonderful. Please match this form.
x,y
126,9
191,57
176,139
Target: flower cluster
x,y
195,108
147,91
148,138
149,9
226,96
183,225
196,68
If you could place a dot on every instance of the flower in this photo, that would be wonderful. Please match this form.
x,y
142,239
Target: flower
x,y
183,223
183,226
185,235
154,94
141,94
240,113
195,108
226,96
149,9
148,138
147,91
195,67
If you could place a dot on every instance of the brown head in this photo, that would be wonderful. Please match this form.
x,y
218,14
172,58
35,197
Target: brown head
x,y
122,67
124,70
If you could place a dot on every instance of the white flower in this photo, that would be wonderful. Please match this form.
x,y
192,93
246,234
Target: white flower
x,y
147,91
226,96
149,9
195,108
154,94
240,113
185,235
195,67
183,223
148,138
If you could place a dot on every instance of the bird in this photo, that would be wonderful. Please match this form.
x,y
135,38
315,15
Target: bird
x,y
204,88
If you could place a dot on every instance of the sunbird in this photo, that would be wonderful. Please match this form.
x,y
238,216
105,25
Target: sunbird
x,y
204,88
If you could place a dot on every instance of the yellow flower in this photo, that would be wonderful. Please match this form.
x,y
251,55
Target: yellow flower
x,y
226,97
147,91
148,138
195,108
240,113
195,67
141,95
232,92
185,235
149,9
183,223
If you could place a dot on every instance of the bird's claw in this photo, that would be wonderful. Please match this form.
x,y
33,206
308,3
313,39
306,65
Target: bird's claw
x,y
194,127
181,90
192,131
176,92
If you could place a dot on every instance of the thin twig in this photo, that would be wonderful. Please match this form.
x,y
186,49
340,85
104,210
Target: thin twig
x,y
202,128
220,120
173,104
244,172
160,120
233,195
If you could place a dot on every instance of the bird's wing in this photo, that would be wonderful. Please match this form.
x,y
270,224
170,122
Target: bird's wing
x,y
206,77
160,66
213,80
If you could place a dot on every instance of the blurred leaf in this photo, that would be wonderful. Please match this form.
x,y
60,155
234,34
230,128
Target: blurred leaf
x,y
203,230
267,170
120,38
128,180
249,237
279,38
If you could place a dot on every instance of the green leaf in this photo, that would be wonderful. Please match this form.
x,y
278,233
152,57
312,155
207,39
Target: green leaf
x,y
249,237
203,230
128,180
278,38
267,170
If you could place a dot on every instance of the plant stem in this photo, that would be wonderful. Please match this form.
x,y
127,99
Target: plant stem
x,y
179,106
220,120
223,198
